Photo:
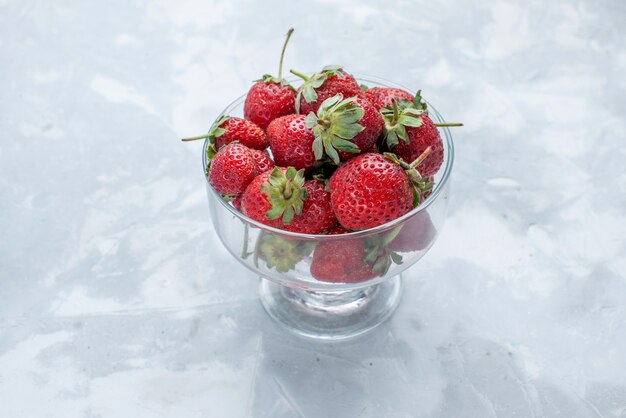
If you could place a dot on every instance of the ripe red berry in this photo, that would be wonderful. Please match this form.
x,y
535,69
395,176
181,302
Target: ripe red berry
x,y
270,97
426,193
373,125
332,80
341,261
268,100
291,142
232,169
281,198
317,213
262,160
409,132
370,190
230,129
243,131
419,138
382,97
350,260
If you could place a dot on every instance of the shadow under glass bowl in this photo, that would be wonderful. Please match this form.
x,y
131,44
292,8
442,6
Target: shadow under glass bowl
x,y
310,300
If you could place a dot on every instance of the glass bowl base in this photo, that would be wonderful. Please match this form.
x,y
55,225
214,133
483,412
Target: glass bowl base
x,y
330,315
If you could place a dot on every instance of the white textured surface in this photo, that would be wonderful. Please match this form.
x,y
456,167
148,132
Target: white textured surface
x,y
116,300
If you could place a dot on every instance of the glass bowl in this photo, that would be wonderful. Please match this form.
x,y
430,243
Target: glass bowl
x,y
298,286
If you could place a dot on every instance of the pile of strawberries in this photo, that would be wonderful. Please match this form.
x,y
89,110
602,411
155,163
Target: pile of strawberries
x,y
331,161
328,157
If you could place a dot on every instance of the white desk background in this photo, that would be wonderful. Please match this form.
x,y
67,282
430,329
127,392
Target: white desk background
x,y
117,299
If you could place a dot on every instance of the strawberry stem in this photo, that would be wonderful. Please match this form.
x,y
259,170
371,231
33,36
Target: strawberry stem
x,y
285,192
448,124
288,192
323,122
194,138
282,53
299,74
395,112
421,158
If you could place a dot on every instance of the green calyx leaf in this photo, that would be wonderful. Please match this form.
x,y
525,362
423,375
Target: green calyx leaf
x,y
215,132
395,159
391,235
322,177
332,68
397,118
421,184
378,256
391,138
318,148
402,133
307,90
210,153
268,78
395,257
417,197
401,115
286,194
410,117
420,189
418,103
281,253
336,123
323,172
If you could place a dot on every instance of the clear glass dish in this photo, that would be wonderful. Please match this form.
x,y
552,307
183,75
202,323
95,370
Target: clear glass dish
x,y
331,308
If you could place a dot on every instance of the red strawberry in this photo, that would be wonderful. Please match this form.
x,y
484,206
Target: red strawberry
x,y
262,160
419,138
409,132
373,125
382,97
344,127
291,142
230,129
368,191
372,189
352,260
427,190
320,86
268,100
232,169
246,132
416,234
281,198
341,261
270,97
355,259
